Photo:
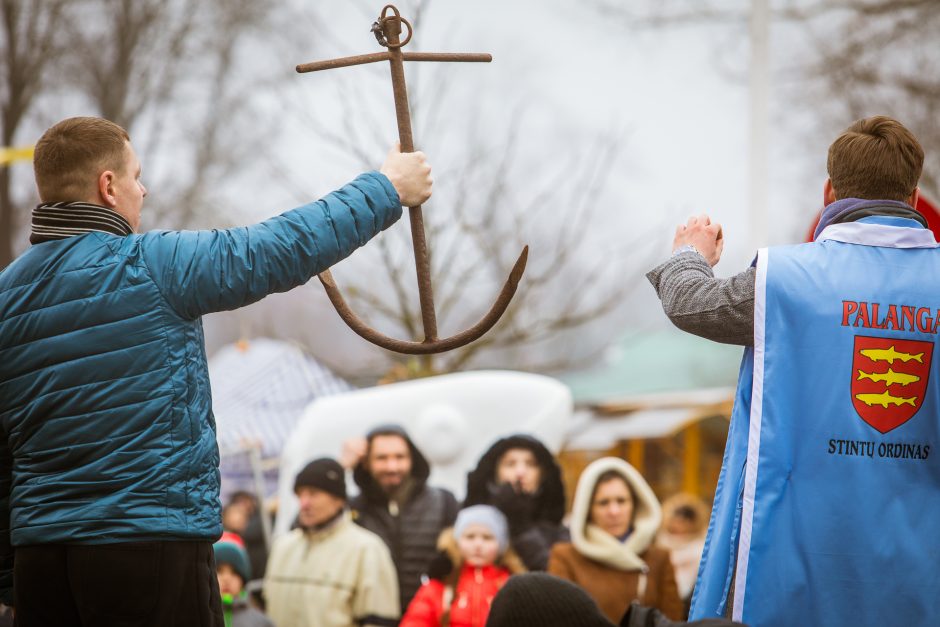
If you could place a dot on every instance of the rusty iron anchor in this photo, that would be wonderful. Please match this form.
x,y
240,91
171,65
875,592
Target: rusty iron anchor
x,y
388,30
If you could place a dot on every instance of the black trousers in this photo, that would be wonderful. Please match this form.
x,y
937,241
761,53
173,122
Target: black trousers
x,y
131,584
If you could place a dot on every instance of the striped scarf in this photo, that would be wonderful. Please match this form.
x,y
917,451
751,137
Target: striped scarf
x,y
59,220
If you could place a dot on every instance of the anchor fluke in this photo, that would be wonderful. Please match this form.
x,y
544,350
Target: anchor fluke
x,y
435,346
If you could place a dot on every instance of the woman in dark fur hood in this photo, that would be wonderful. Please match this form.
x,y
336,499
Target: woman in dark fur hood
x,y
520,476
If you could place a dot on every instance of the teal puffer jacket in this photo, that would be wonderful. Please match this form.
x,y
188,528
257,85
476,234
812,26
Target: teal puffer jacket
x,y
106,426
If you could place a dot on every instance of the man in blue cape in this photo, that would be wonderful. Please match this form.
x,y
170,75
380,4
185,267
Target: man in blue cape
x,y
827,505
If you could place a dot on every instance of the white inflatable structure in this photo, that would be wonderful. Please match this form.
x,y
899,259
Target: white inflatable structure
x,y
260,390
453,419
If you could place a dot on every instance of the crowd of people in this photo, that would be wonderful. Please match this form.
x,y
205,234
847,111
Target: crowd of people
x,y
405,552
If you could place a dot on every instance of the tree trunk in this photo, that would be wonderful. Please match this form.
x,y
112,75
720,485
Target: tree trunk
x,y
6,218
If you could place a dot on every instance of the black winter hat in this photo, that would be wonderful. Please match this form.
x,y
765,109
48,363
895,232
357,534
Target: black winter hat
x,y
543,600
324,474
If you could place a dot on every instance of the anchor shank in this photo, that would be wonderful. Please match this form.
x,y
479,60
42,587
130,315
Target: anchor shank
x,y
392,29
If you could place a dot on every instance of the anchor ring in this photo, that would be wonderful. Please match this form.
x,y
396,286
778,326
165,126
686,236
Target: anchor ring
x,y
378,27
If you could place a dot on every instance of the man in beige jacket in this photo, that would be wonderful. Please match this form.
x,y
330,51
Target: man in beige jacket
x,y
329,572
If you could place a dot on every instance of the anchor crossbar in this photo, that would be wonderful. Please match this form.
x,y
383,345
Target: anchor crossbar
x,y
362,59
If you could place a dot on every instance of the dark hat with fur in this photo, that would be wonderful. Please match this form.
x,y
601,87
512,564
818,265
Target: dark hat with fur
x,y
551,493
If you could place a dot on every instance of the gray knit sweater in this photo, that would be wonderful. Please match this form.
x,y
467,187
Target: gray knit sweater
x,y
721,310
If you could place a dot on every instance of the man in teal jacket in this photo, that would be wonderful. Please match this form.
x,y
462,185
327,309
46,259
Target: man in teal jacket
x,y
109,480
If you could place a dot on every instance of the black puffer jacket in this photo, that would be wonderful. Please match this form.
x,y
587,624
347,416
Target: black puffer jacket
x,y
532,541
412,534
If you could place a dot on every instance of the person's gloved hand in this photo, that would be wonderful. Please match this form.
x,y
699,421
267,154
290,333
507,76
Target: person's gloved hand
x,y
517,506
440,566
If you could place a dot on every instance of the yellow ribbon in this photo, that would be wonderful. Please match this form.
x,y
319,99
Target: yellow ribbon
x,y
12,154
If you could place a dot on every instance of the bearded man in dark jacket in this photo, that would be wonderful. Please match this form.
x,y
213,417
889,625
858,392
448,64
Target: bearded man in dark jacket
x,y
520,476
396,503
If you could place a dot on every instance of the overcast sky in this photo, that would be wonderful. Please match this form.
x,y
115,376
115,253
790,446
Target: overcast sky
x,y
684,120
682,117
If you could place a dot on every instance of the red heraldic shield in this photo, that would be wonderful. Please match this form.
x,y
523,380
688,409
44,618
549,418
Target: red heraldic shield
x,y
889,379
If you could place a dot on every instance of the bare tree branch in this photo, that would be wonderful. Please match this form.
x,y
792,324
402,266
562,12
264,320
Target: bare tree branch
x,y
30,45
862,57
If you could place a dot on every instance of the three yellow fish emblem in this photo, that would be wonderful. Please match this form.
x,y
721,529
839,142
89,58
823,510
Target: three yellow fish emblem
x,y
889,378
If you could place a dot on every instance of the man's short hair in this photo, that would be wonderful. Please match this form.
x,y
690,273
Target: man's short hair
x,y
71,154
387,430
875,158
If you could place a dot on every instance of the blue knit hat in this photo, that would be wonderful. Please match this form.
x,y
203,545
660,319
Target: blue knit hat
x,y
230,549
487,516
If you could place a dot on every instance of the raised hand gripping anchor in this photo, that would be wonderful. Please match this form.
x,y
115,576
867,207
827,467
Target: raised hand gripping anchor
x,y
388,31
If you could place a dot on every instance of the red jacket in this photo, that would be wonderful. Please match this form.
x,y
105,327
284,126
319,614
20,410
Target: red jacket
x,y
471,600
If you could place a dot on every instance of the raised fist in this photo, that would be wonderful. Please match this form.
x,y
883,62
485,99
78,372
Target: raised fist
x,y
410,174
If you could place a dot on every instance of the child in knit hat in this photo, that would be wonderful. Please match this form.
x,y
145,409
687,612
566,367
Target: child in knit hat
x,y
474,564
234,571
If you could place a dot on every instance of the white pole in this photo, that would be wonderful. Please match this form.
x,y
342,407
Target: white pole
x,y
254,456
759,122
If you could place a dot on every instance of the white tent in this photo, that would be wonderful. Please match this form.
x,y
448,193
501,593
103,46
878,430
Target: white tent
x,y
259,391
452,419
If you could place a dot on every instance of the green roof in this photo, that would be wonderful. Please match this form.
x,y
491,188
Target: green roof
x,y
658,361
